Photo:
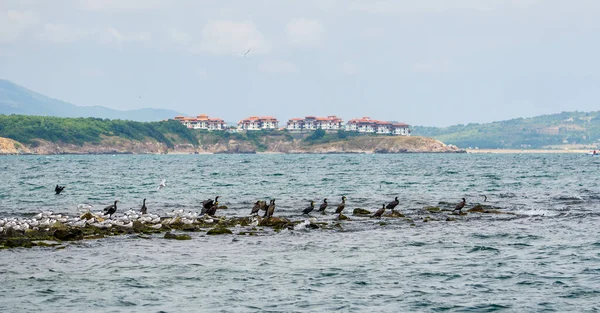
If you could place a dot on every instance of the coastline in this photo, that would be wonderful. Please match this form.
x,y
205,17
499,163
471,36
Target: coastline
x,y
520,151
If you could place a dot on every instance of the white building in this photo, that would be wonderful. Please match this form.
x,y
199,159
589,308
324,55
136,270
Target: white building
x,y
331,122
258,123
202,121
367,125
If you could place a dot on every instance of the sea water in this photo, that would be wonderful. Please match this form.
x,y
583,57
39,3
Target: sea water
x,y
544,256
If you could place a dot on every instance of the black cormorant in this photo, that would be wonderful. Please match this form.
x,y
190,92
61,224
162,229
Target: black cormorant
x,y
271,208
392,204
207,204
259,205
460,205
310,208
58,189
144,209
213,209
111,209
341,206
323,205
379,212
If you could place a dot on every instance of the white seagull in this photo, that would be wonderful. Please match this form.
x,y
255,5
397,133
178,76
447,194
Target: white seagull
x,y
163,183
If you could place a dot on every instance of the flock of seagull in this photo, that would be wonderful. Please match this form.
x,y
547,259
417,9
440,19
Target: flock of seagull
x,y
45,219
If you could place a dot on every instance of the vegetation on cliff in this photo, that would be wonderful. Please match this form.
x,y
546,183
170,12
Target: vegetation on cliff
x,y
546,131
26,129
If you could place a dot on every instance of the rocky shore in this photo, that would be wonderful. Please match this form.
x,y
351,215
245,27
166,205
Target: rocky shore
x,y
116,145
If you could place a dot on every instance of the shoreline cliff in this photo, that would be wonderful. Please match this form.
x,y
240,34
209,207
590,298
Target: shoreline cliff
x,y
117,145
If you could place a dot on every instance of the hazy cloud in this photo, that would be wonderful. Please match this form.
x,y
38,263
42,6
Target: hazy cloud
x,y
304,32
14,23
122,5
348,68
277,66
58,33
179,36
434,66
394,6
229,37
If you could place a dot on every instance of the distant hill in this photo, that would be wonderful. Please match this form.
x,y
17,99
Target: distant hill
x,y
562,130
15,99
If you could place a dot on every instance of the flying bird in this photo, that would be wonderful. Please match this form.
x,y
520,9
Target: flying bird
x,y
58,189
246,52
162,184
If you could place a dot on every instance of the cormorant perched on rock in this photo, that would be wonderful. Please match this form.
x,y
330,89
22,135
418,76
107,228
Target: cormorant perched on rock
x,y
310,208
379,212
58,189
460,205
323,205
484,198
213,209
271,208
259,205
144,209
111,209
393,204
341,206
207,204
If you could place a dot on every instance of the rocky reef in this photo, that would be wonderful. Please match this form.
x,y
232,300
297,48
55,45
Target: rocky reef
x,y
47,229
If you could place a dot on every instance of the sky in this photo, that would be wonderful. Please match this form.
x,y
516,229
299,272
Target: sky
x,y
421,62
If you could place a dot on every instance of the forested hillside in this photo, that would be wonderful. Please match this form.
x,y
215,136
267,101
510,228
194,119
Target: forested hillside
x,y
567,128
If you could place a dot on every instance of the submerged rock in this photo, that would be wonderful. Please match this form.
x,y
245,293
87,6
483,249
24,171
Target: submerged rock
x,y
394,214
342,217
361,212
66,234
219,231
170,235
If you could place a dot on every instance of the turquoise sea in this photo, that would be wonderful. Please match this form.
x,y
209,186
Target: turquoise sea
x,y
544,256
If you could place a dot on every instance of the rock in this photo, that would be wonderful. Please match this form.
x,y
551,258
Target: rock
x,y
46,243
342,217
450,219
18,242
394,214
477,208
87,216
361,212
433,209
65,234
219,231
138,227
276,222
313,226
222,207
169,235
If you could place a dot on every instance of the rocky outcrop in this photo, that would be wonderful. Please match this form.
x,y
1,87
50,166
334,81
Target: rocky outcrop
x,y
9,146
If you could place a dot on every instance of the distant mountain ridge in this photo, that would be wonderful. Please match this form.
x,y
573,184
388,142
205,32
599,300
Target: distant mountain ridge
x,y
558,131
15,99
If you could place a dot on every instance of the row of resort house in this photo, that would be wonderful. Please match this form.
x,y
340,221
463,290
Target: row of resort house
x,y
309,123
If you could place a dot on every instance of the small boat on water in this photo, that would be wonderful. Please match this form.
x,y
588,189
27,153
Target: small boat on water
x,y
594,153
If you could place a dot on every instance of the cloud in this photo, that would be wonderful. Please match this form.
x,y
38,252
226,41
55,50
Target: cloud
x,y
394,6
304,32
180,37
278,66
122,5
58,33
435,66
349,69
14,23
234,38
